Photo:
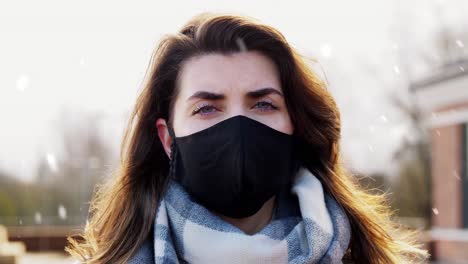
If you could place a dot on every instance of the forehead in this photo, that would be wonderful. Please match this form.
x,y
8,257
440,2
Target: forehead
x,y
234,73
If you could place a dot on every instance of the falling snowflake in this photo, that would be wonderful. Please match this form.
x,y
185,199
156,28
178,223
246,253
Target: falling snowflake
x,y
396,69
62,212
38,218
22,82
459,43
435,210
326,50
383,118
52,162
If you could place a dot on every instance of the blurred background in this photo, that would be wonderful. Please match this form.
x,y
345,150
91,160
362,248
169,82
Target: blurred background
x,y
70,72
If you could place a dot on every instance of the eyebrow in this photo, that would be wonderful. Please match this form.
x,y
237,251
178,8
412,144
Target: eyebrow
x,y
263,91
252,94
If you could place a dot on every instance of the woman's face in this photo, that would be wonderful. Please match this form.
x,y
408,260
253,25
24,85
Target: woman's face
x,y
215,87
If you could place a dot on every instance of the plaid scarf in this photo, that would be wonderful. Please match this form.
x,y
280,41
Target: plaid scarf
x,y
308,226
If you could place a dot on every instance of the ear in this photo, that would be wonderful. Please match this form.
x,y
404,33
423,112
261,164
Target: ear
x,y
164,135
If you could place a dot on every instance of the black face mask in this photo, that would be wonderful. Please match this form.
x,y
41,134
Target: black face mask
x,y
234,166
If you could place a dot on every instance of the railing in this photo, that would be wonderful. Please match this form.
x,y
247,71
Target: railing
x,y
42,238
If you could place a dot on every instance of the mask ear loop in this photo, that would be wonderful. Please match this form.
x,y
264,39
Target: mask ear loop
x,y
172,160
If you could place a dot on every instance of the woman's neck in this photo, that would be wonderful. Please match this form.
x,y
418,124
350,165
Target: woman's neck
x,y
253,224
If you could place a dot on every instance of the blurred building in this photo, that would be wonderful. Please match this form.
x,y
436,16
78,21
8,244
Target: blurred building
x,y
443,97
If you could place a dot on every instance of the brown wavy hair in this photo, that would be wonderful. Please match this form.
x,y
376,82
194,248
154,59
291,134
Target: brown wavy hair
x,y
122,210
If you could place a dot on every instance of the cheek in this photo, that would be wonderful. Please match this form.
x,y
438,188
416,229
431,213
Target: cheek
x,y
180,121
286,125
280,122
185,125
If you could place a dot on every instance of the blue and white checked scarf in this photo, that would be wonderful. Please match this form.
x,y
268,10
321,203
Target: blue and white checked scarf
x,y
308,226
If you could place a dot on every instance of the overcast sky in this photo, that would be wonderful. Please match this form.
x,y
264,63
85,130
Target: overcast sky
x,y
91,56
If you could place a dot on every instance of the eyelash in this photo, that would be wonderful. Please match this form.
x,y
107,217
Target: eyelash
x,y
204,106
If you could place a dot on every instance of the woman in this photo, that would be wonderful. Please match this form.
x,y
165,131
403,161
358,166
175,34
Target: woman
x,y
232,155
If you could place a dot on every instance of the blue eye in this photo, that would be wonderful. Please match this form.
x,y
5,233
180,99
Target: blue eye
x,y
204,109
265,106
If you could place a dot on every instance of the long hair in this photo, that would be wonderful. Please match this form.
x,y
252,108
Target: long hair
x,y
122,210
